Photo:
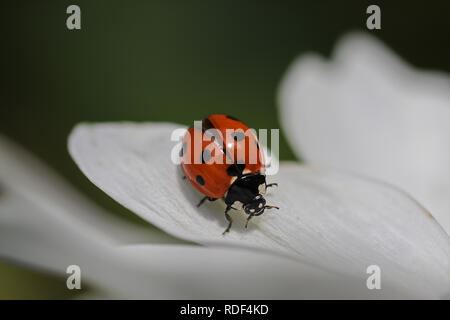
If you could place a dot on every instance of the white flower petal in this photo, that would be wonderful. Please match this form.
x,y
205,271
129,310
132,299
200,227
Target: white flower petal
x,y
43,241
165,271
334,221
42,225
188,272
23,176
368,112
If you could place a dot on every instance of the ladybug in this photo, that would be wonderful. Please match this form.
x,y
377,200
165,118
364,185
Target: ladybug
x,y
223,158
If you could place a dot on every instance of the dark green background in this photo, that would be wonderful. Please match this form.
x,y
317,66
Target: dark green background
x,y
174,61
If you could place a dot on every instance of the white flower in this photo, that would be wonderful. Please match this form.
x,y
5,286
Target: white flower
x,y
367,111
46,224
330,227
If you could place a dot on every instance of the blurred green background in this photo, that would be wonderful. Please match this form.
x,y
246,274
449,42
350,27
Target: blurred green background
x,y
171,61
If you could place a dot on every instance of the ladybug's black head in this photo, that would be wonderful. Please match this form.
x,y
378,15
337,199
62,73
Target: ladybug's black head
x,y
256,206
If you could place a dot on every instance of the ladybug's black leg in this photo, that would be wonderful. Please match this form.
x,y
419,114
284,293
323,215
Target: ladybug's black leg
x,y
201,201
271,185
230,221
229,207
204,199
248,219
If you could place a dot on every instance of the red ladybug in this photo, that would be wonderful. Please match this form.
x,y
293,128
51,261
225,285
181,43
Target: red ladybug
x,y
223,159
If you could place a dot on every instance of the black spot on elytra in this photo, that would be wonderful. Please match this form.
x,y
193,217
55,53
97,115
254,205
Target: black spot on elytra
x,y
200,180
207,124
235,170
238,136
232,118
183,149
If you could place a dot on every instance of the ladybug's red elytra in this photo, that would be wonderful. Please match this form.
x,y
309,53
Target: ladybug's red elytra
x,y
228,162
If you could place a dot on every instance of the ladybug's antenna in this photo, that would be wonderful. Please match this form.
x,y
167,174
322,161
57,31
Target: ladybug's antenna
x,y
271,207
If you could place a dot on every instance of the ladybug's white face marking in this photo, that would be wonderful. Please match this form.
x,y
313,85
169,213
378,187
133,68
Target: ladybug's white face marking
x,y
260,205
246,171
262,188
232,180
238,205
